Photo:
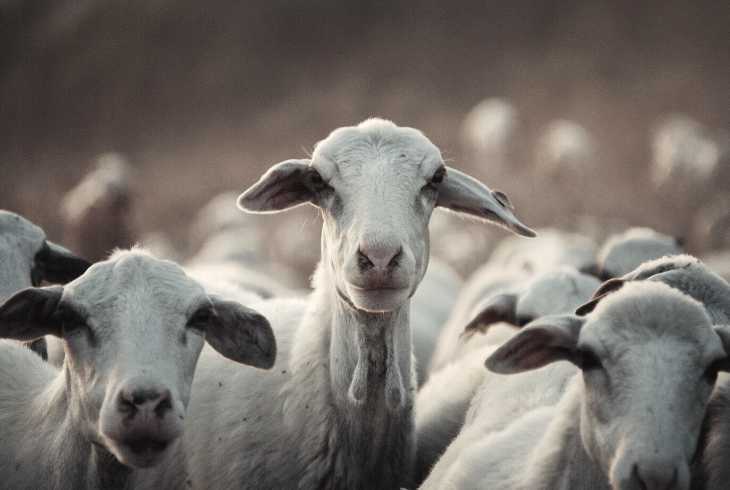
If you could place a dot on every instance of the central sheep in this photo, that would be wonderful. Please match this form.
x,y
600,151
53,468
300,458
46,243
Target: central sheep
x,y
337,409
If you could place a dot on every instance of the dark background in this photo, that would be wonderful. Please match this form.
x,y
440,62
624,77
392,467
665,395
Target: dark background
x,y
202,96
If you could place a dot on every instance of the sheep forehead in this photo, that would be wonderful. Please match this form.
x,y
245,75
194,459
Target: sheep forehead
x,y
351,148
19,228
557,291
643,312
134,279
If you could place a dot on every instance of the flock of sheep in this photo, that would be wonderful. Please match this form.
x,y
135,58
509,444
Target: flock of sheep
x,y
558,363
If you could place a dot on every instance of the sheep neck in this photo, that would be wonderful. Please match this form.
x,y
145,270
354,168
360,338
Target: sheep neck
x,y
571,466
370,396
74,460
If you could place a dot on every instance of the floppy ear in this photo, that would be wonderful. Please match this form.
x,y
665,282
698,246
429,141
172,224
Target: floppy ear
x,y
285,185
31,314
241,334
544,341
464,194
497,308
723,331
56,264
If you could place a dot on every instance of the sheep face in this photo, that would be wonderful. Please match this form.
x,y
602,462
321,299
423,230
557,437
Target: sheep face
x,y
28,258
376,185
133,328
649,358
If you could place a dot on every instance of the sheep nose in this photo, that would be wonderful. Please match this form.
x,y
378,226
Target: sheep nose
x,y
378,255
144,399
656,476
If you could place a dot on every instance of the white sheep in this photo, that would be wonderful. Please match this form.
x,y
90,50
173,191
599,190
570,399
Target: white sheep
x,y
337,409
565,148
625,251
489,129
645,359
27,258
442,403
683,272
685,155
98,213
719,262
509,268
711,224
132,328
431,306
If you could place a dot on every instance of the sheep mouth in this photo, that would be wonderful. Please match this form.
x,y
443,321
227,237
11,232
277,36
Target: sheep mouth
x,y
146,445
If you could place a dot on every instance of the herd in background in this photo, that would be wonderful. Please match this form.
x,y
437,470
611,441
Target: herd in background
x,y
109,400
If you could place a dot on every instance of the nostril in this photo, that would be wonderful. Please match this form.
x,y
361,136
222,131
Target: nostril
x,y
363,261
395,260
164,405
159,401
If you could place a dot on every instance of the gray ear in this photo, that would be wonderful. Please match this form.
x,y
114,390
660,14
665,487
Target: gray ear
x,y
283,186
464,194
546,340
603,290
495,309
56,264
241,334
723,331
31,313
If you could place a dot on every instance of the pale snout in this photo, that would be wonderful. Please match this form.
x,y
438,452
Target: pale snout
x,y
652,472
380,273
140,420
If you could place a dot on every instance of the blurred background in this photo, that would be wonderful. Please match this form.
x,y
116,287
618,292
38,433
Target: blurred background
x,y
591,115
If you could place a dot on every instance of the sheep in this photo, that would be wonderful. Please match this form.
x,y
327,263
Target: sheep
x,y
29,258
509,267
337,409
553,248
430,308
624,252
565,148
461,244
685,155
601,435
719,262
233,247
220,215
132,328
489,129
694,278
442,403
98,213
711,227
683,272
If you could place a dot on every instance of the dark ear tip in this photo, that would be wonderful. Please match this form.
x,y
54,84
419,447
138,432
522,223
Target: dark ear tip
x,y
586,308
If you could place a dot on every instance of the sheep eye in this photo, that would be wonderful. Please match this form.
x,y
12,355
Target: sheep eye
x,y
589,361
317,183
201,319
438,177
710,374
71,321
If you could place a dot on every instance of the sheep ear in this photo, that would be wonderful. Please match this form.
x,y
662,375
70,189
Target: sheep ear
x,y
498,308
544,341
283,186
603,290
31,314
464,194
59,265
723,331
241,334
